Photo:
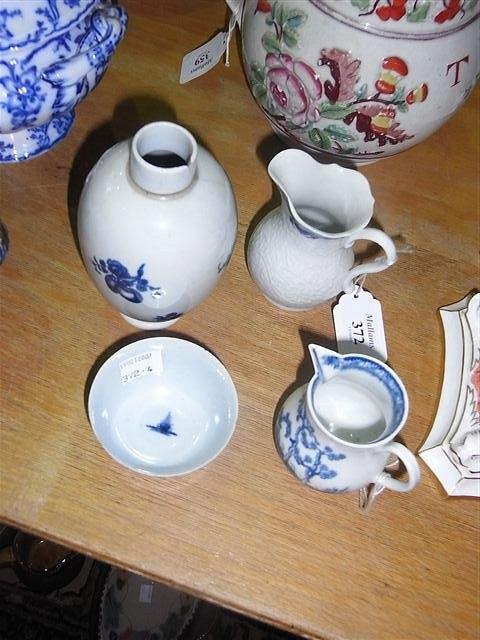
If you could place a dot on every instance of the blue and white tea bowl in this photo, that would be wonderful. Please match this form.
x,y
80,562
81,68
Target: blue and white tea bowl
x,y
163,406
52,54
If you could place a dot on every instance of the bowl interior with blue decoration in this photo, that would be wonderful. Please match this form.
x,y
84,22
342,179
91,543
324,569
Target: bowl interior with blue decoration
x,y
163,406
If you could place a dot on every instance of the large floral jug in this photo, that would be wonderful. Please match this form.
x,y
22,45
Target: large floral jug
x,y
359,79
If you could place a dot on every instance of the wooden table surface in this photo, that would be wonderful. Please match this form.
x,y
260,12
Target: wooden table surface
x,y
242,531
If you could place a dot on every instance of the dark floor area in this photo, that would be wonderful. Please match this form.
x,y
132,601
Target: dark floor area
x,y
98,602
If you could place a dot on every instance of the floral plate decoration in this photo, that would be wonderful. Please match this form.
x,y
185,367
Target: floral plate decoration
x,y
135,608
452,448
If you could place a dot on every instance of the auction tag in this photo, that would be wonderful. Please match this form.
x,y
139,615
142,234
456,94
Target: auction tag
x,y
359,325
141,365
200,60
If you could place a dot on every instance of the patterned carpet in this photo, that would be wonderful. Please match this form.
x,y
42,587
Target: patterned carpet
x,y
72,613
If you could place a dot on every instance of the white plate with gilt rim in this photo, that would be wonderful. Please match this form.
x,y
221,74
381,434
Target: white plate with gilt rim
x,y
135,608
163,406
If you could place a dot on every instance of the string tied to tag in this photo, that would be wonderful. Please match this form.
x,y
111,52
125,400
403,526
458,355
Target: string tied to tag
x,y
358,283
231,28
367,495
199,61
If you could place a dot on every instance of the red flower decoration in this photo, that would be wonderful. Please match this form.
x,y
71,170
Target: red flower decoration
x,y
263,6
451,9
394,11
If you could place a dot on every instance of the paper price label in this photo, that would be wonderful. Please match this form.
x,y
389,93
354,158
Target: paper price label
x,y
202,59
359,325
140,365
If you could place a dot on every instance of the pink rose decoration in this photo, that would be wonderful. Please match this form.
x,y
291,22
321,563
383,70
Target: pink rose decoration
x,y
294,88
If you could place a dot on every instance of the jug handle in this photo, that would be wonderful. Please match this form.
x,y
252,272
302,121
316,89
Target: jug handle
x,y
411,465
380,238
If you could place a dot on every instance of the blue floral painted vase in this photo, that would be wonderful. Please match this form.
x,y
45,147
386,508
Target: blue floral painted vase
x,y
157,225
336,433
52,54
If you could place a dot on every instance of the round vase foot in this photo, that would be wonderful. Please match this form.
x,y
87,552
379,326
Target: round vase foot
x,y
31,142
149,326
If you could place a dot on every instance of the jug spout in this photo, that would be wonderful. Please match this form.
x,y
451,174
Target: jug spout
x,y
324,200
292,172
326,362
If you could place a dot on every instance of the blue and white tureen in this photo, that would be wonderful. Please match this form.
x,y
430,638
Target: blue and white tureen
x,y
52,54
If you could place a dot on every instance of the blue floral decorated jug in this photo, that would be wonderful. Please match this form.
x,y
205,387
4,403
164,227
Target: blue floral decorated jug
x,y
336,433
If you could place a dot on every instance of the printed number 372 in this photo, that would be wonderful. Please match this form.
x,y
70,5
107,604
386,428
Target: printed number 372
x,y
358,333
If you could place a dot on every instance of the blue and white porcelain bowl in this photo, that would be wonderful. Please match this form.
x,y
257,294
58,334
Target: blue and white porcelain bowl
x,y
163,406
52,54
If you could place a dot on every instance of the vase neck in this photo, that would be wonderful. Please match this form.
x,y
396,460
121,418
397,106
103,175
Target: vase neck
x,y
163,158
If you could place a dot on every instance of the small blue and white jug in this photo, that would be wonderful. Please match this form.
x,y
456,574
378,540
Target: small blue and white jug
x,y
336,433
